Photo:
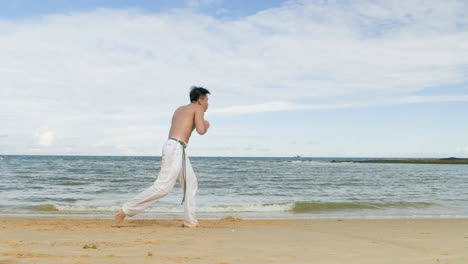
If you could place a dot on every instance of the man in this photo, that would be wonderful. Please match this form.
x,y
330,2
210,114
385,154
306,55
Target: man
x,y
174,162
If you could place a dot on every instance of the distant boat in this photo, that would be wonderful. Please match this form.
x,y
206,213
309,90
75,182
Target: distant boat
x,y
297,156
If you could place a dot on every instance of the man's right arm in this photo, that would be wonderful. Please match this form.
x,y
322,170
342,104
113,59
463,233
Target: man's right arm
x,y
200,123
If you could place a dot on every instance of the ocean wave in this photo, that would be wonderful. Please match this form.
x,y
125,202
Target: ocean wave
x,y
308,207
166,208
44,207
73,183
293,207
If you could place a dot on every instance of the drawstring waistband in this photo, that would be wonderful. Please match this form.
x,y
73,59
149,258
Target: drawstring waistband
x,y
180,141
184,145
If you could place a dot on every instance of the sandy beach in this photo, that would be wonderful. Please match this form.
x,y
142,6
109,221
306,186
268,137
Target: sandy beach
x,y
233,240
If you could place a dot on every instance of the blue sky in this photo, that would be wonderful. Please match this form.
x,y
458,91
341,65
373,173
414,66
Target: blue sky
x,y
24,9
311,78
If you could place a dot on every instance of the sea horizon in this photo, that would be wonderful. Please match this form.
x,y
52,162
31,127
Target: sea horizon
x,y
292,156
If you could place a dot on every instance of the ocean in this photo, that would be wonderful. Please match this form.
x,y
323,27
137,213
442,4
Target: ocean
x,y
243,187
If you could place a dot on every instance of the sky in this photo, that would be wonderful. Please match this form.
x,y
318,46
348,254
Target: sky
x,y
363,78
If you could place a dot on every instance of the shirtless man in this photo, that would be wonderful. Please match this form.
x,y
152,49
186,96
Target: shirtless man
x,y
175,164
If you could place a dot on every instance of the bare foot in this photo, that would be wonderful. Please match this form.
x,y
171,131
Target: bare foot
x,y
193,226
120,216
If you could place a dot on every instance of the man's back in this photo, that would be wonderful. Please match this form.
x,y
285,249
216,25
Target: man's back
x,y
188,117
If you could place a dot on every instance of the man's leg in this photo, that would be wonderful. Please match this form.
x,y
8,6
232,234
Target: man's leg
x,y
171,164
190,219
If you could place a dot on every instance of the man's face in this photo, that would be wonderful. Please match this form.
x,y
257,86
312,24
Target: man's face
x,y
203,101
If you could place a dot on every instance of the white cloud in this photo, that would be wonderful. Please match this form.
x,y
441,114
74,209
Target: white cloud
x,y
270,107
45,137
462,150
99,71
120,57
287,106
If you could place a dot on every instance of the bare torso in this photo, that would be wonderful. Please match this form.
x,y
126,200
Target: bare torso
x,y
184,121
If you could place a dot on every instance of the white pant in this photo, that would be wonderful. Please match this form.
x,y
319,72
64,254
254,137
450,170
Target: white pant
x,y
171,169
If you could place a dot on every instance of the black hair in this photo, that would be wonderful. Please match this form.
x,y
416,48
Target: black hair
x,y
196,92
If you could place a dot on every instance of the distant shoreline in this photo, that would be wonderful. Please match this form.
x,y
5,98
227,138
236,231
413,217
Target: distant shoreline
x,y
450,160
